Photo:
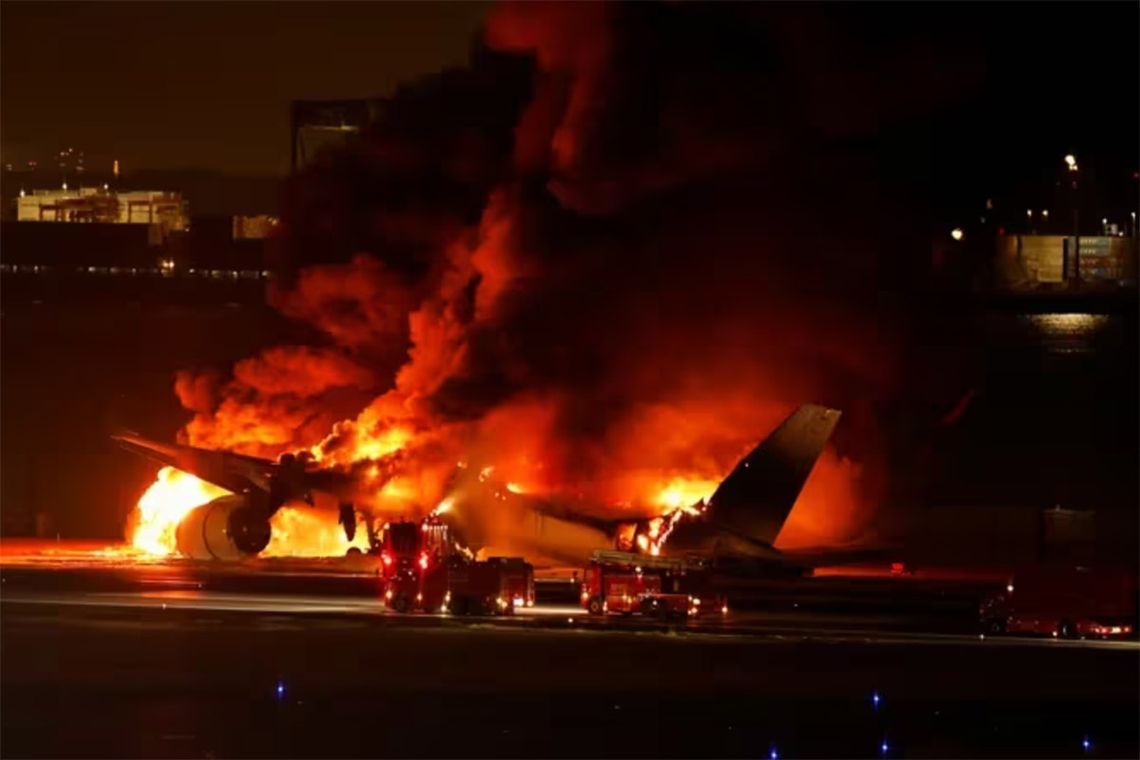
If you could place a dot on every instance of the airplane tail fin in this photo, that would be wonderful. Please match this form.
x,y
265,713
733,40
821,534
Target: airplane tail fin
x,y
756,497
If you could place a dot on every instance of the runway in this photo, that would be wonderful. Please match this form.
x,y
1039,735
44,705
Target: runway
x,y
802,626
860,607
112,658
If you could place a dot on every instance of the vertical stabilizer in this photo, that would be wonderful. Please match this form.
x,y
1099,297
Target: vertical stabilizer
x,y
756,497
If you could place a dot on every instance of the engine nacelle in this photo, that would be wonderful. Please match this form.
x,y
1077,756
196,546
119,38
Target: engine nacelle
x,y
227,528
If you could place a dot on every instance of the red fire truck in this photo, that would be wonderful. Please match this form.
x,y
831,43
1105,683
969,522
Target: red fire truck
x,y
496,586
423,570
1065,602
405,557
620,582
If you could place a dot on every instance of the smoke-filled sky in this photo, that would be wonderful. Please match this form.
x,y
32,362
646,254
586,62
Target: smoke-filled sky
x,y
599,246
623,241
208,85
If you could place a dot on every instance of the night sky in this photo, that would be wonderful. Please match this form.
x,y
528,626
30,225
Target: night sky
x,y
208,85
204,85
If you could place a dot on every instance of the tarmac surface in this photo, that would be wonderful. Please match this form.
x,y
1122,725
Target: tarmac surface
x,y
109,657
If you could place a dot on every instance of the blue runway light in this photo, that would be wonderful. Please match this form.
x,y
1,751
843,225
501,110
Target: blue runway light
x,y
875,699
773,754
884,748
280,689
1086,744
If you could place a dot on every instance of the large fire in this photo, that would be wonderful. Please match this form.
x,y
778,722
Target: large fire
x,y
172,496
297,530
581,338
301,531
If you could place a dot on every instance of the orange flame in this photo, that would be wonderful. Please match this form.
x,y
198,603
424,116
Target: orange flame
x,y
172,496
682,493
301,531
297,531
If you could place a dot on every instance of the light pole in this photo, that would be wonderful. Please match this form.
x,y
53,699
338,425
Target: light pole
x,y
1071,163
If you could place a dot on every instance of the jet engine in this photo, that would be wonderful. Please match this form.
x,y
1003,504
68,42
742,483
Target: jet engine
x,y
227,528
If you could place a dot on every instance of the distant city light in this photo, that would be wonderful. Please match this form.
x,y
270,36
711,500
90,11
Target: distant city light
x,y
1045,213
115,168
1029,213
957,233
65,185
22,194
1071,160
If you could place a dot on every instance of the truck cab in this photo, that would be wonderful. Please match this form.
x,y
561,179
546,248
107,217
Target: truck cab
x,y
403,561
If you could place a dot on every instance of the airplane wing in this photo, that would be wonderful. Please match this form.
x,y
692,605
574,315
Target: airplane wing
x,y
234,472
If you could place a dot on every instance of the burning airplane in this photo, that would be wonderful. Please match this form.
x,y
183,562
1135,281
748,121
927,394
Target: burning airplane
x,y
225,506
534,294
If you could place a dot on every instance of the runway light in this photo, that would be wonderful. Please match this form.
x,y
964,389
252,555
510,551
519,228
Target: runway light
x,y
773,753
884,748
280,689
1086,744
875,699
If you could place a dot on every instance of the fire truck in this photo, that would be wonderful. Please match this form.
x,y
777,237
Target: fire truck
x,y
423,570
1065,602
496,586
663,587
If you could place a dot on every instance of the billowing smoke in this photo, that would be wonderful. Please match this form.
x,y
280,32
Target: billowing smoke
x,y
608,256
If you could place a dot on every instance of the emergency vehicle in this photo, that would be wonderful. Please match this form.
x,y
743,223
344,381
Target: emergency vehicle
x,y
423,570
664,587
1065,601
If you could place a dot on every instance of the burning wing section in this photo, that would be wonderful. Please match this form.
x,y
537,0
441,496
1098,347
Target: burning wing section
x,y
237,524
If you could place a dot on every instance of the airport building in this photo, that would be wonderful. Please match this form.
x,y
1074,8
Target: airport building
x,y
167,210
1041,262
